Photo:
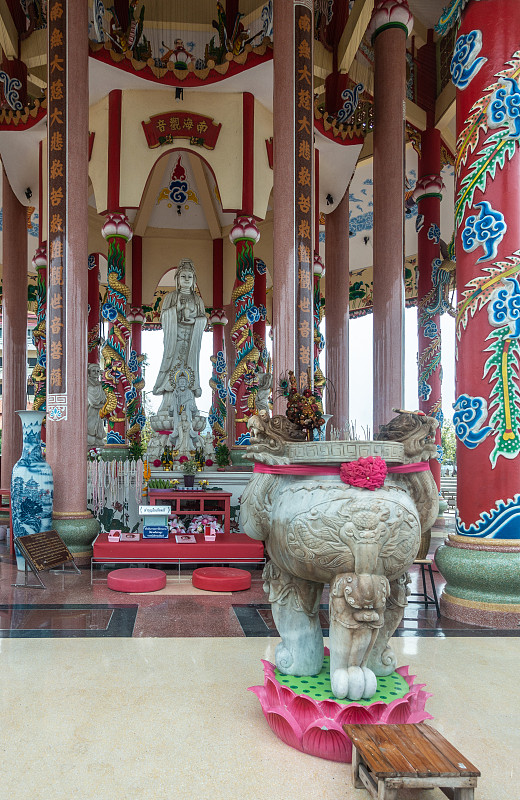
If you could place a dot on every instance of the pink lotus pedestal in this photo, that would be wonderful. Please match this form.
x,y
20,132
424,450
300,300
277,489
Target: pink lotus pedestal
x,y
315,726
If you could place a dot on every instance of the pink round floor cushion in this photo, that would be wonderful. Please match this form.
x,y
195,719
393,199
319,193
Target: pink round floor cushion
x,y
135,579
221,579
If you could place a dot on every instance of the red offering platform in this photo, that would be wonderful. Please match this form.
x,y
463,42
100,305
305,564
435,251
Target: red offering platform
x,y
228,548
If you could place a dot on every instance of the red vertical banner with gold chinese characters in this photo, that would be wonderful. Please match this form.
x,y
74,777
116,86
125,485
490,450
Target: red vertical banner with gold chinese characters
x,y
57,211
304,191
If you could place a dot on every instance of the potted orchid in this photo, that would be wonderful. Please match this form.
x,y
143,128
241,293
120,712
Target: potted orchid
x,y
189,468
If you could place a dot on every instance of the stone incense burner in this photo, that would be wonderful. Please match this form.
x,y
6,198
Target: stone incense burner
x,y
319,529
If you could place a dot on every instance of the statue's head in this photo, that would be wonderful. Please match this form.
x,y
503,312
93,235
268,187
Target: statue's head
x,y
415,431
185,277
182,378
93,371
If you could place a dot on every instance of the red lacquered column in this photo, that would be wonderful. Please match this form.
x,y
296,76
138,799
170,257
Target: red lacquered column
x,y
67,297
482,562
337,313
14,327
293,123
487,195
390,25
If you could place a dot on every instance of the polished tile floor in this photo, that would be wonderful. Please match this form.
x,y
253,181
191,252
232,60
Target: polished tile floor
x,y
156,707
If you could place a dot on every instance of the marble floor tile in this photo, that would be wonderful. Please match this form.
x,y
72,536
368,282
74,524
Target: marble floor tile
x,y
171,719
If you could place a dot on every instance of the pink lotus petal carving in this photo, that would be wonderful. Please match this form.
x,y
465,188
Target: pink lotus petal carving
x,y
304,709
317,727
326,739
285,727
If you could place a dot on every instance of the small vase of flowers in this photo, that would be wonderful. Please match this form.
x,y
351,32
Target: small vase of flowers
x,y
189,468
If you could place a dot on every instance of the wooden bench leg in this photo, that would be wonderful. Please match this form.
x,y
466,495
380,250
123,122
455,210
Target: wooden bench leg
x,y
463,794
356,780
384,793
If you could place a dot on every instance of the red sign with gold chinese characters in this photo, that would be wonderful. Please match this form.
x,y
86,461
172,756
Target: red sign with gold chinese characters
x,y
57,210
304,191
166,128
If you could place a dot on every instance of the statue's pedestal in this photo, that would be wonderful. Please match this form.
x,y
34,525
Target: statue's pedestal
x,y
304,713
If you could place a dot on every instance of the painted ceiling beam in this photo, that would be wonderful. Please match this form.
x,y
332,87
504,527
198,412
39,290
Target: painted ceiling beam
x,y
419,32
205,196
415,115
8,32
355,28
34,49
445,107
150,195
322,60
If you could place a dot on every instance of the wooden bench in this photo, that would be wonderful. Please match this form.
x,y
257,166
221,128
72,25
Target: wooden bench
x,y
386,758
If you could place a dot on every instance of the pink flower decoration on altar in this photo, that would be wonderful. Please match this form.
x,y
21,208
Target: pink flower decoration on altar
x,y
209,462
367,473
157,462
182,459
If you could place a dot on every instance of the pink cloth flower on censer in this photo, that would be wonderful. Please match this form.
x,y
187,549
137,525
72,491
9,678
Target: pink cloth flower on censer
x,y
366,473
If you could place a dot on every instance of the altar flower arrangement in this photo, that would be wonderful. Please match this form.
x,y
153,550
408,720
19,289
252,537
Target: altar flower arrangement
x,y
366,473
188,465
305,408
198,524
176,525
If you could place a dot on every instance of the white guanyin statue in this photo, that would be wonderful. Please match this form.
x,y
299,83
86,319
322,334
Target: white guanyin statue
x,y
183,320
187,423
96,399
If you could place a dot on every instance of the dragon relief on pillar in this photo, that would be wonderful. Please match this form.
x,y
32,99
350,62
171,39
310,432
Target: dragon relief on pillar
x,y
39,335
218,411
318,314
496,110
121,379
244,235
493,126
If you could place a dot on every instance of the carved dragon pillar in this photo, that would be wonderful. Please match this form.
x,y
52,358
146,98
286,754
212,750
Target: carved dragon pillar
x,y
38,375
432,283
244,235
120,382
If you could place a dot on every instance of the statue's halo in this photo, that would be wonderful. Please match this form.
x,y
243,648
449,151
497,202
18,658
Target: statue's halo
x,y
179,371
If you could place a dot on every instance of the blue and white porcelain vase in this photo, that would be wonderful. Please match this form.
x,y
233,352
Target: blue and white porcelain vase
x,y
31,483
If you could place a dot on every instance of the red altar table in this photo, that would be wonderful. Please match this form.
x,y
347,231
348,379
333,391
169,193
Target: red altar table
x,y
228,548
191,502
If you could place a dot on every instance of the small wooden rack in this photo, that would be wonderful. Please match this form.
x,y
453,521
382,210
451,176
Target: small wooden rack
x,y
194,502
387,758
